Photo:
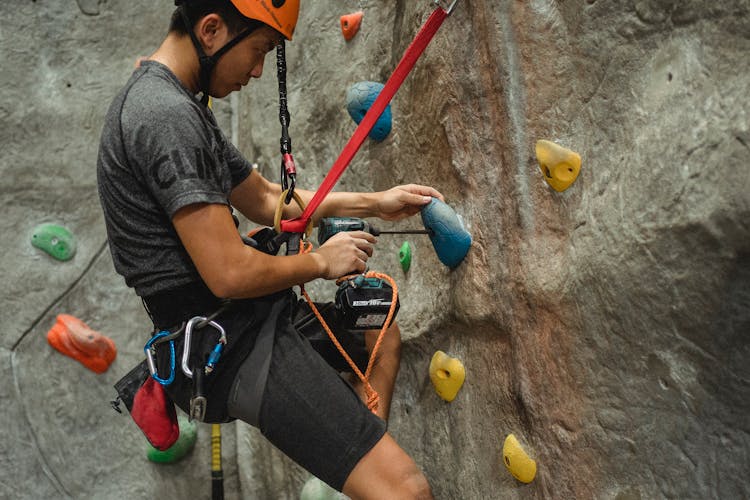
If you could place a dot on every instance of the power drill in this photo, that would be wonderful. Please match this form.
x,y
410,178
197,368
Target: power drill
x,y
363,302
328,226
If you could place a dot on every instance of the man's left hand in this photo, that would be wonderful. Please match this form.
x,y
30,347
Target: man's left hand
x,y
404,201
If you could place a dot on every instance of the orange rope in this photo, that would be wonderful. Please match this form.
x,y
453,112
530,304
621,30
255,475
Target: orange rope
x,y
373,398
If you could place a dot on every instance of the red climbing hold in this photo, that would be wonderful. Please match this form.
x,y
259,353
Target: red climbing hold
x,y
76,339
350,24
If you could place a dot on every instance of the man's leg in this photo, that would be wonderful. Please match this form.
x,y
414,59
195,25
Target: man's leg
x,y
385,368
386,471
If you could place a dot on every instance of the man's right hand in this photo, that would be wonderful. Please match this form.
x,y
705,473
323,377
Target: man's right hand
x,y
346,253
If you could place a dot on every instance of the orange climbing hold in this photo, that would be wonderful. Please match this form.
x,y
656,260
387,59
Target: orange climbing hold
x,y
76,339
350,24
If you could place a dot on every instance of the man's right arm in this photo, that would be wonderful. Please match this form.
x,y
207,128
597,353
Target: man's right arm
x,y
232,269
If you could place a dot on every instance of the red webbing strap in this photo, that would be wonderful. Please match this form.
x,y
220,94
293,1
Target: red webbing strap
x,y
412,54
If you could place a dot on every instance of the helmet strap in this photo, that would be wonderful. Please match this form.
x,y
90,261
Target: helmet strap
x,y
206,62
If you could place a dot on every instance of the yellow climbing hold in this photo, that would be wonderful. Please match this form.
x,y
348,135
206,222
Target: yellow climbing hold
x,y
517,461
447,375
560,166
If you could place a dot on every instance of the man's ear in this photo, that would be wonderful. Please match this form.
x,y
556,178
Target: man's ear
x,y
210,31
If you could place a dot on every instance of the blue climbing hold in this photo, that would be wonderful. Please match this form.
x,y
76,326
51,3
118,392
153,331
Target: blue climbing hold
x,y
447,232
359,98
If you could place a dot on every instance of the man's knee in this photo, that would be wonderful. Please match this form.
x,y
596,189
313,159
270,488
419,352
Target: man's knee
x,y
387,472
416,486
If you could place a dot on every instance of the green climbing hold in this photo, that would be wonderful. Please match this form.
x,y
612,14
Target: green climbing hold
x,y
315,489
404,256
181,447
55,240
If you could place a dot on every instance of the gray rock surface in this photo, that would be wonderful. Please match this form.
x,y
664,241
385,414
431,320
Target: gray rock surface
x,y
606,326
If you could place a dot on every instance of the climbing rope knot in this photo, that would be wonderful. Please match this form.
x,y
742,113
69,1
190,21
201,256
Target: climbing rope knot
x,y
373,399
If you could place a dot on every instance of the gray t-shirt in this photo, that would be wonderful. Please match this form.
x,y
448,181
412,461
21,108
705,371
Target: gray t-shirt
x,y
160,150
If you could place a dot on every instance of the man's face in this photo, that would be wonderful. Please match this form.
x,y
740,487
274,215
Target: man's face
x,y
243,61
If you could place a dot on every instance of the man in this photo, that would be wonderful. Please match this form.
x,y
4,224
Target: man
x,y
167,176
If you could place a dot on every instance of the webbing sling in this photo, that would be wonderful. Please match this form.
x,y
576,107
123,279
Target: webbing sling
x,y
409,59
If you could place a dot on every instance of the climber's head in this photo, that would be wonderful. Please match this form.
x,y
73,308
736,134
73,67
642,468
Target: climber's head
x,y
232,37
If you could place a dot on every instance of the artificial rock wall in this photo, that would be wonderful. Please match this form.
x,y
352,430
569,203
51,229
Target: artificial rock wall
x,y
606,326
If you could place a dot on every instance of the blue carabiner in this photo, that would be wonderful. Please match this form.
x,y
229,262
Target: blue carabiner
x,y
150,351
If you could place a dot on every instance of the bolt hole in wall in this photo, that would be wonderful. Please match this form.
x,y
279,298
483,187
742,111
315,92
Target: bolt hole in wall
x,y
669,77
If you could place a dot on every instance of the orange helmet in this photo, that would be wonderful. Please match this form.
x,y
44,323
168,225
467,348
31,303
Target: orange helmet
x,y
281,15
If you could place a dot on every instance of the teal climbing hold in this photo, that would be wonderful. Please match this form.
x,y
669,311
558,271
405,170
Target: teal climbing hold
x,y
55,240
315,489
181,447
448,234
359,98
404,256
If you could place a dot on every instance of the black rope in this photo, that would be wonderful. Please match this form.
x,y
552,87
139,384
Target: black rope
x,y
286,141
288,169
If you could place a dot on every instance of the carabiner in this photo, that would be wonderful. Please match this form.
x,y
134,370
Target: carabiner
x,y
151,351
189,337
290,191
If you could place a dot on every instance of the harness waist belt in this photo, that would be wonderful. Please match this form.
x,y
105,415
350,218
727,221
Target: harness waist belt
x,y
172,307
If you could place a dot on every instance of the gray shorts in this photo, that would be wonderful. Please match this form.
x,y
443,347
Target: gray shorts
x,y
307,410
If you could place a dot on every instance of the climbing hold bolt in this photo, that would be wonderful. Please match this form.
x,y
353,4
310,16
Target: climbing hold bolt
x,y
517,461
350,24
447,375
76,339
181,447
55,240
315,489
359,98
560,166
449,237
404,256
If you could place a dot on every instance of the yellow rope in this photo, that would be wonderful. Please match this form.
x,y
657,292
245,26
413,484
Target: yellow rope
x,y
215,447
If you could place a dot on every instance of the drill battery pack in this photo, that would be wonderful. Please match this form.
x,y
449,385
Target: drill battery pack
x,y
364,303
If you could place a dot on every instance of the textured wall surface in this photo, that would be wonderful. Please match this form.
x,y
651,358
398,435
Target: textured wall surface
x,y
63,63
606,326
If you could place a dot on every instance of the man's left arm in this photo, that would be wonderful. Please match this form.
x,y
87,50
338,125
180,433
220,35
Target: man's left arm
x,y
257,198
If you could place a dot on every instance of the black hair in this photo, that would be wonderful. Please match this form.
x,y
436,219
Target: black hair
x,y
196,9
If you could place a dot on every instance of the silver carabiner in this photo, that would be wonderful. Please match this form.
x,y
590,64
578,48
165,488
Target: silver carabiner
x,y
189,337
450,5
